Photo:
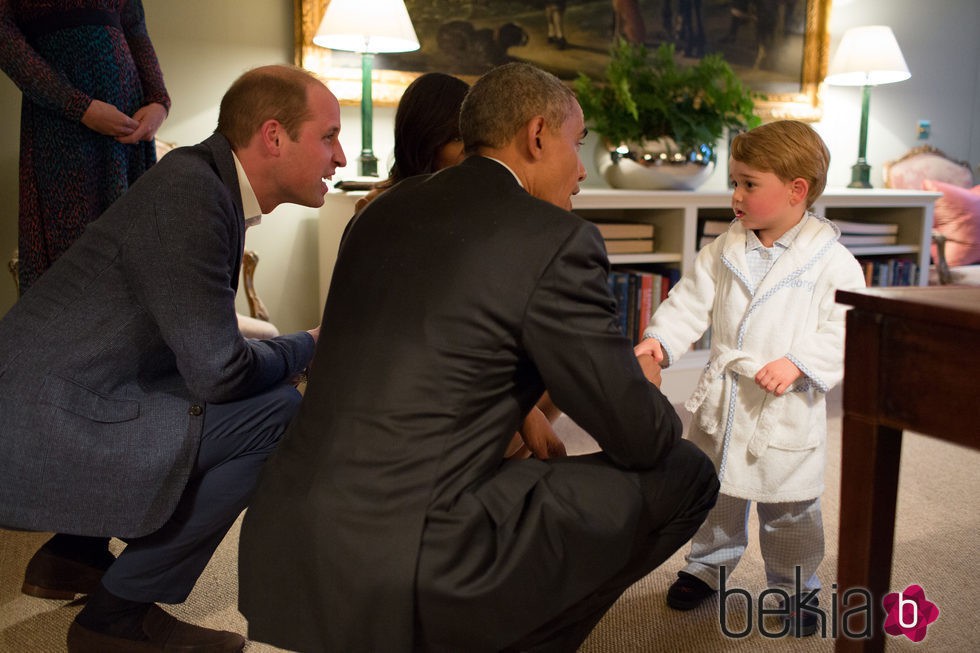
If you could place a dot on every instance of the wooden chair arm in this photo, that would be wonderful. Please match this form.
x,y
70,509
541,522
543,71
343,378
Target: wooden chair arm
x,y
13,265
942,268
255,306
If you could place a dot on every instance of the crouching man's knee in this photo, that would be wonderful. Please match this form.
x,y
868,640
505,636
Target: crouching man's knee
x,y
683,487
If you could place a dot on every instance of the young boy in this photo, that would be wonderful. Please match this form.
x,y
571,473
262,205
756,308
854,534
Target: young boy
x,y
766,288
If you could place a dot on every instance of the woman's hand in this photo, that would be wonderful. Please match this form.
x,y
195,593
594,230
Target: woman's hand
x,y
107,120
149,118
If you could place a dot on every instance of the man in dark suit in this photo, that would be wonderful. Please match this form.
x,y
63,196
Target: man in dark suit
x,y
132,406
388,519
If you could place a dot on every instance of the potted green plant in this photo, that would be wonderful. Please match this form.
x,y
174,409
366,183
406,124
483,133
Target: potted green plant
x,y
660,122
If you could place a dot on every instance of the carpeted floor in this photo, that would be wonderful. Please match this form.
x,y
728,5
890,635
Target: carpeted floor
x,y
936,547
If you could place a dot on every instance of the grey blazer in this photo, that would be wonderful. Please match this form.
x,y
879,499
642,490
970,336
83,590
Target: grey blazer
x,y
108,362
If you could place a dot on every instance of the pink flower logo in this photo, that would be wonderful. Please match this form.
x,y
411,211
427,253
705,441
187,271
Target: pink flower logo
x,y
909,613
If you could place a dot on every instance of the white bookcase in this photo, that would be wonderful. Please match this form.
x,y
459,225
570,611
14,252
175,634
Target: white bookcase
x,y
675,216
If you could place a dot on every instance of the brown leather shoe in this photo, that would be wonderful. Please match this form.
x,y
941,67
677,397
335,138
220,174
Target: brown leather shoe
x,y
51,576
164,632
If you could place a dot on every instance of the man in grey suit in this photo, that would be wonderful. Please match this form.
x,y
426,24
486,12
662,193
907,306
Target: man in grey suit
x,y
388,519
132,406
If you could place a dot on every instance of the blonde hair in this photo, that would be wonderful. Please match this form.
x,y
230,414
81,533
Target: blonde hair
x,y
277,92
503,100
787,148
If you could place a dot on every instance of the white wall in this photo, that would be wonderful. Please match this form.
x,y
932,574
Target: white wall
x,y
204,46
940,45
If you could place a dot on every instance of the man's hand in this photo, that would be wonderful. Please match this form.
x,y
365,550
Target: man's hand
x,y
778,376
650,367
539,439
301,378
315,332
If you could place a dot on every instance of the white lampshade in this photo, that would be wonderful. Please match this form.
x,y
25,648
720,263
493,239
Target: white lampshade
x,y
868,56
367,26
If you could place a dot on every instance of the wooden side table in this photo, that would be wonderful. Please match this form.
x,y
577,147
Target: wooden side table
x,y
911,357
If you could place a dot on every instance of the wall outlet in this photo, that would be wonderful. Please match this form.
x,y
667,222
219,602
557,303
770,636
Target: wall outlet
x,y
923,130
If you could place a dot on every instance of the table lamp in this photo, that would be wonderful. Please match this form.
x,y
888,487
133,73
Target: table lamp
x,y
867,56
368,27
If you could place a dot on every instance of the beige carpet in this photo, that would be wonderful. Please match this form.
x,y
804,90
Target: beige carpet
x,y
936,547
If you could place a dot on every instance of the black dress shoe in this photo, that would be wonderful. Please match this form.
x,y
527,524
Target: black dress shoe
x,y
688,592
52,576
801,621
162,632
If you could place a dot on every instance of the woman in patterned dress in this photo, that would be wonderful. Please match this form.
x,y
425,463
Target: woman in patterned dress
x,y
93,100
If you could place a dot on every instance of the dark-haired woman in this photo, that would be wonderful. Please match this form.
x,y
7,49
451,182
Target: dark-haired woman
x,y
426,130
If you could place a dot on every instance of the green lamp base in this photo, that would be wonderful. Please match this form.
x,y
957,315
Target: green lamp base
x,y
860,175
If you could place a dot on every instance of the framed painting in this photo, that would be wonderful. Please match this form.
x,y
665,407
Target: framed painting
x,y
780,48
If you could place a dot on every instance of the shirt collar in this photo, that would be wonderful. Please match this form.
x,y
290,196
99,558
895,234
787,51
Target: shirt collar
x,y
752,241
509,169
250,203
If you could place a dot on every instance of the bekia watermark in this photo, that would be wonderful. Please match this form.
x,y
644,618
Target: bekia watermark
x,y
907,613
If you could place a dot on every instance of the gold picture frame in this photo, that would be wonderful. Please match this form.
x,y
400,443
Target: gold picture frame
x,y
342,71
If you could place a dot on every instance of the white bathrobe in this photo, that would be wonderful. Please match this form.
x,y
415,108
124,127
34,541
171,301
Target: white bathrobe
x,y
766,448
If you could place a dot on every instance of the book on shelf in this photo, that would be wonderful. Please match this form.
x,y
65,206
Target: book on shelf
x,y
619,285
632,305
712,227
669,276
647,289
868,239
644,303
638,293
880,228
621,230
629,246
882,272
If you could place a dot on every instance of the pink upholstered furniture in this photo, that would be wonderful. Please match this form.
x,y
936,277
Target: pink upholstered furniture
x,y
956,218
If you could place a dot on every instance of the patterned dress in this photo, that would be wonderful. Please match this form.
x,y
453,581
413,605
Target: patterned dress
x,y
62,54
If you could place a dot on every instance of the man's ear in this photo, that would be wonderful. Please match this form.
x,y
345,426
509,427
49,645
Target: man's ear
x,y
271,134
535,132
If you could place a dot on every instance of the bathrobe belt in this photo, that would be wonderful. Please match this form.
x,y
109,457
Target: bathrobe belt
x,y
738,362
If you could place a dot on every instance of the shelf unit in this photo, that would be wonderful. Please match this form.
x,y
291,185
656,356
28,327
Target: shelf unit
x,y
675,216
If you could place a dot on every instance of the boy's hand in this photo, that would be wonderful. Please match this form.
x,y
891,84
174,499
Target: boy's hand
x,y
778,376
650,346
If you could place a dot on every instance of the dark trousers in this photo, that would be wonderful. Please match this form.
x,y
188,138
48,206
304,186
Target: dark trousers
x,y
238,437
678,493
672,500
